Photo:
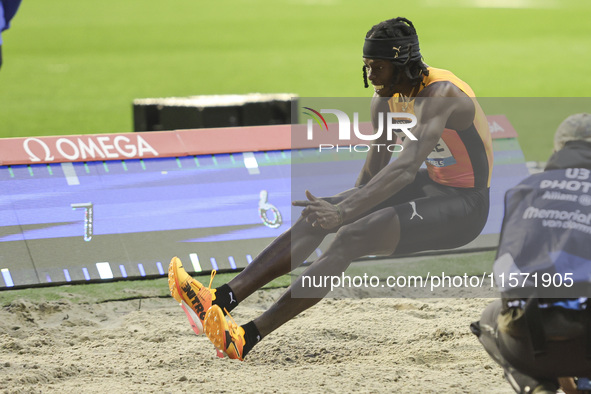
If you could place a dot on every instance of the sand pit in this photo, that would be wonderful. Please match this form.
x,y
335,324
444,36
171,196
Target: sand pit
x,y
341,345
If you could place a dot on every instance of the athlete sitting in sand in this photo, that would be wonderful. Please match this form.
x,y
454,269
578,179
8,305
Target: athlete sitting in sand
x,y
394,208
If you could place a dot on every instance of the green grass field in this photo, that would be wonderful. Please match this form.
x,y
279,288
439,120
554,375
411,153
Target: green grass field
x,y
74,67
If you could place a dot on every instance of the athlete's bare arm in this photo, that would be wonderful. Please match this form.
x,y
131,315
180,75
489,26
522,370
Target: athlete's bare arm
x,y
376,158
438,106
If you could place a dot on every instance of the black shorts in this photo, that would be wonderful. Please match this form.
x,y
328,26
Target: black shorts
x,y
433,216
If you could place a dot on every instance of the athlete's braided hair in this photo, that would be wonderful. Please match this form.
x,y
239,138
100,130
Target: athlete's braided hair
x,y
413,67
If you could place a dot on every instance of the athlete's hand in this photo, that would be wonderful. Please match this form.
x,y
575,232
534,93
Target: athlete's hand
x,y
320,212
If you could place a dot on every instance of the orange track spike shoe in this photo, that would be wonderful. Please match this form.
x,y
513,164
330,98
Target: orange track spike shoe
x,y
226,336
194,298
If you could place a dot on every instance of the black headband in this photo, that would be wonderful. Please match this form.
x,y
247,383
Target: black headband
x,y
398,49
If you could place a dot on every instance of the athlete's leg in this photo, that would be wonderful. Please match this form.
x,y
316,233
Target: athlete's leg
x,y
274,261
287,251
377,233
291,247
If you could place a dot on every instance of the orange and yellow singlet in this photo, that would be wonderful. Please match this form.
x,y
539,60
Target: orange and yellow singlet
x,y
462,158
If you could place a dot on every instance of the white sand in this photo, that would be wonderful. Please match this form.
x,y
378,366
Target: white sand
x,y
340,345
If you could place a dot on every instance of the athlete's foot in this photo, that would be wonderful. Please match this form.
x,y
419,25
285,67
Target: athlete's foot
x,y
194,298
227,337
